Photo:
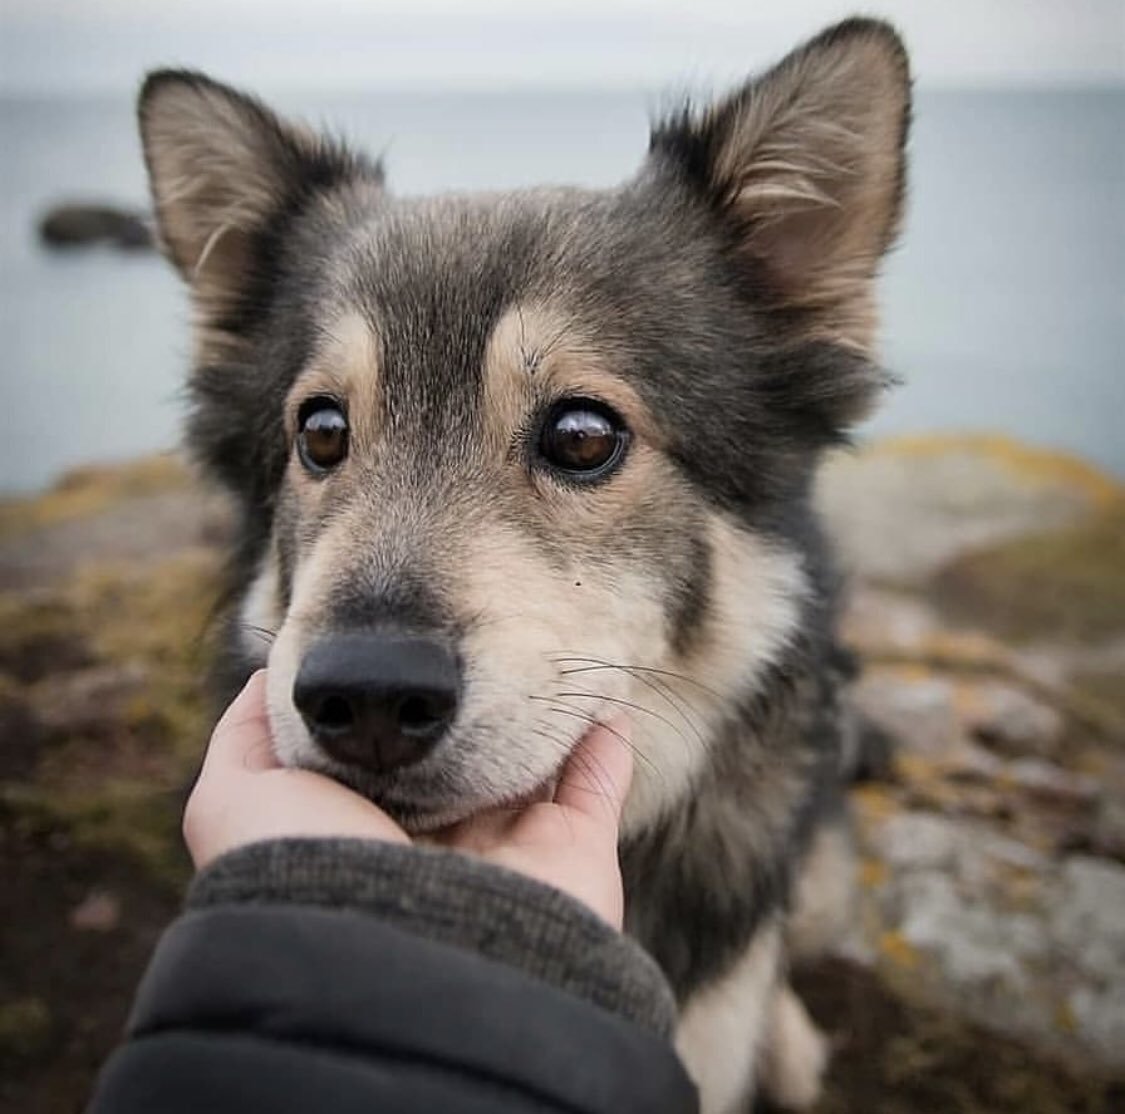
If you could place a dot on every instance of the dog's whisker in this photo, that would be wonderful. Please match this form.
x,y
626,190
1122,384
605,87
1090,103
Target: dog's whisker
x,y
560,707
662,690
632,705
670,673
678,702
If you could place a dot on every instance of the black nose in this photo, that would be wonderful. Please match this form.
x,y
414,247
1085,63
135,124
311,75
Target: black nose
x,y
378,700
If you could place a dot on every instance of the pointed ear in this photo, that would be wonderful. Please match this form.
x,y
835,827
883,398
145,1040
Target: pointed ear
x,y
222,168
806,164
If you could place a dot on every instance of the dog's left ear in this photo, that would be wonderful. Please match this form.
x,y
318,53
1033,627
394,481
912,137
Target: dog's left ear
x,y
224,171
806,165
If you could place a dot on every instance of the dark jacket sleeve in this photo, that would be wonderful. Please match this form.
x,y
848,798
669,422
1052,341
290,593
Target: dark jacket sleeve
x,y
343,975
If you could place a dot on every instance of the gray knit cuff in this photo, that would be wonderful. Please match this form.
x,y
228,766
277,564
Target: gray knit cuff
x,y
454,899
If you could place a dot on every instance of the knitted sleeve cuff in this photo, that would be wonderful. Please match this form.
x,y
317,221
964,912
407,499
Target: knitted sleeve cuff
x,y
455,899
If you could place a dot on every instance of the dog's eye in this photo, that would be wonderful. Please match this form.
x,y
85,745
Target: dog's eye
x,y
583,438
322,436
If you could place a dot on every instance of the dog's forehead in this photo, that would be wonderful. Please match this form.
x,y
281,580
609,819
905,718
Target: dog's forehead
x,y
434,279
434,276
431,268
429,278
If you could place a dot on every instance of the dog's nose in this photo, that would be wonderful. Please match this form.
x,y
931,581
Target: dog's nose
x,y
378,700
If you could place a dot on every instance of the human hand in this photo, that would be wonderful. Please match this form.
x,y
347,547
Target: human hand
x,y
568,842
244,795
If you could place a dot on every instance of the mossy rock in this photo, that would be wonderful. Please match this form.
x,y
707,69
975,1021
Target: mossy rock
x,y
896,1054
1066,584
128,819
84,492
39,636
106,765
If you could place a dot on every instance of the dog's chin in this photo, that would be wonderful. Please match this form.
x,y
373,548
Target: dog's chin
x,y
416,807
420,815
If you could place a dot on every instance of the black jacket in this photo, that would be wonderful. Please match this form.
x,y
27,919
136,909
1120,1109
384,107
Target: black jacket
x,y
349,976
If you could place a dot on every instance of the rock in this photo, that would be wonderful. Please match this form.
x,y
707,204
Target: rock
x,y
903,508
919,841
1011,721
1108,837
989,859
100,912
970,762
1088,924
977,947
1052,783
78,225
1099,1017
89,699
146,511
1088,920
919,712
1066,584
878,620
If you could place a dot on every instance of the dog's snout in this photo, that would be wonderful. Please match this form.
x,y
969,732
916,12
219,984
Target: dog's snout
x,y
378,700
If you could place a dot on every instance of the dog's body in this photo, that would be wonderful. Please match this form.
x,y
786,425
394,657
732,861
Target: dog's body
x,y
554,452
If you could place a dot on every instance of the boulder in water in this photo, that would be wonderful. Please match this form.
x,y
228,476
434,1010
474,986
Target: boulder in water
x,y
76,225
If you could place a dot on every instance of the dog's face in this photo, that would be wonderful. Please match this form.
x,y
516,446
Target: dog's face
x,y
509,465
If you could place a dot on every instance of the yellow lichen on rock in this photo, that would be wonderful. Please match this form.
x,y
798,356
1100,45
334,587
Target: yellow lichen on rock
x,y
84,492
1027,463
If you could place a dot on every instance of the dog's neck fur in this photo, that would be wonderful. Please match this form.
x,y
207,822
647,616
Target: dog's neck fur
x,y
702,878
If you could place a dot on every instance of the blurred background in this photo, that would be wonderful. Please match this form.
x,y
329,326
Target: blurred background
x,y
982,518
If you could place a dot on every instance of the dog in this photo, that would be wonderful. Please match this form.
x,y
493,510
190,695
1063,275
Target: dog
x,y
507,464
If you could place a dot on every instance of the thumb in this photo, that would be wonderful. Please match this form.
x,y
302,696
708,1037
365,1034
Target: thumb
x,y
595,780
241,739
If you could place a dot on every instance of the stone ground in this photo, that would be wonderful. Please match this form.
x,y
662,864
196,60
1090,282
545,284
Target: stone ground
x,y
986,970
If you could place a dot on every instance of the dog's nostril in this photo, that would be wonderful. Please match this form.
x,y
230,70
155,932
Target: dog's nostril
x,y
420,715
335,714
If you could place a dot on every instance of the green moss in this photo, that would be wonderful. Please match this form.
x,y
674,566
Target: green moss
x,y
25,1028
123,818
161,620
39,635
1064,584
113,779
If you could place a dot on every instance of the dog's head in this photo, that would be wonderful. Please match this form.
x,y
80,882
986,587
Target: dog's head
x,y
510,463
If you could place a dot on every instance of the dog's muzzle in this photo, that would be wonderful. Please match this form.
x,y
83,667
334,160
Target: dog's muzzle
x,y
379,700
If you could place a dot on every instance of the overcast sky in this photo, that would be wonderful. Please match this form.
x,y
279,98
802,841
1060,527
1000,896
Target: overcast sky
x,y
105,45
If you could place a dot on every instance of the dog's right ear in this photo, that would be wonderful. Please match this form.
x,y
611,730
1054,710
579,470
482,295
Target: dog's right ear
x,y
805,167
223,169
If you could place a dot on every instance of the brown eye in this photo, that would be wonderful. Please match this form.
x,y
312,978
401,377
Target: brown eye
x,y
322,434
583,438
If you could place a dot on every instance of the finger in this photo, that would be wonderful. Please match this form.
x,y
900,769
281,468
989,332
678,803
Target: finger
x,y
478,832
487,828
595,780
241,739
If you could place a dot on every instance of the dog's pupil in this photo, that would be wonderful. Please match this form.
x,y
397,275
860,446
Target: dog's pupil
x,y
581,439
325,436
